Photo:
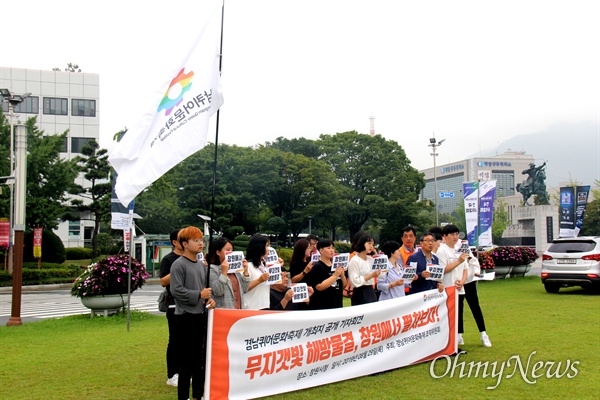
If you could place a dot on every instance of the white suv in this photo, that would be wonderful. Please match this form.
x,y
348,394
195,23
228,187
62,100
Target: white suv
x,y
572,262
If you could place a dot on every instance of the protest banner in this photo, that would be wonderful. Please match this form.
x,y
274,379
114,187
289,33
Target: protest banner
x,y
253,353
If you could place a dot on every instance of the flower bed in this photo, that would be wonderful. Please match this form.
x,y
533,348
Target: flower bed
x,y
109,276
513,255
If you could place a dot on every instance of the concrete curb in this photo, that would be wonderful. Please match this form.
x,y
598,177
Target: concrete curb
x,y
57,286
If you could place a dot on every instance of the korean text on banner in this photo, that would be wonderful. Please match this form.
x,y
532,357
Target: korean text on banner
x,y
120,217
176,124
487,192
254,354
567,211
471,193
581,193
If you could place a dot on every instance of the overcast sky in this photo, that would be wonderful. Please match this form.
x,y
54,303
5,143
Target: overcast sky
x,y
474,72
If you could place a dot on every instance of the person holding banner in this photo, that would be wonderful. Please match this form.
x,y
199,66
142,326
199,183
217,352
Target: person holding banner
x,y
301,264
327,284
257,297
360,274
173,361
390,284
228,289
192,299
422,258
455,268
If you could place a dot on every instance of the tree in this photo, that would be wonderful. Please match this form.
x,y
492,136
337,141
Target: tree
x,y
158,207
380,179
49,177
500,220
93,164
71,67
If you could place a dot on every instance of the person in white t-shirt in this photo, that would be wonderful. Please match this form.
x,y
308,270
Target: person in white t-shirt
x,y
455,268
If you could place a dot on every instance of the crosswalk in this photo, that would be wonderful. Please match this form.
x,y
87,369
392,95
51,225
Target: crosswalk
x,y
59,303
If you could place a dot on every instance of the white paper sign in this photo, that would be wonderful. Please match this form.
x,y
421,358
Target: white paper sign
x,y
340,260
272,256
490,276
300,292
436,272
314,257
464,247
234,259
200,257
274,271
379,261
408,273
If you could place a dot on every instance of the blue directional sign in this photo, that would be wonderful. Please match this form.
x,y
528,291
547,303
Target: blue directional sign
x,y
446,194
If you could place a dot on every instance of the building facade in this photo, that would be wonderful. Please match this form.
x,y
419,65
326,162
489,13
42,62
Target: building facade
x,y
61,101
505,168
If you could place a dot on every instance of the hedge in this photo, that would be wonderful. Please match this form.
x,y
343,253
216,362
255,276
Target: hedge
x,y
78,253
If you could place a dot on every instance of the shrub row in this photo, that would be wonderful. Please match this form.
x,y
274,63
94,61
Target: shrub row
x,y
34,275
78,253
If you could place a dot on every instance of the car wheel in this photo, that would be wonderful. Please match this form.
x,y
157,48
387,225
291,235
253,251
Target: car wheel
x,y
551,287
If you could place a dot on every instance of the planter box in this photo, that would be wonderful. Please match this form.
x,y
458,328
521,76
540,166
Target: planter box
x,y
105,305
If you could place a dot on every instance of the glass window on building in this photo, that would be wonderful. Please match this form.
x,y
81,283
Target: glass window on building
x,y
54,106
505,183
31,105
74,229
63,146
449,195
77,143
83,108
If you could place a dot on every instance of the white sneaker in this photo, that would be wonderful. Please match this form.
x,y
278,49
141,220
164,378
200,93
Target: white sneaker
x,y
172,381
486,341
461,341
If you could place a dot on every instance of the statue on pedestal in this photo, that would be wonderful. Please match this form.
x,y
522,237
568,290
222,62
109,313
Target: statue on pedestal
x,y
534,184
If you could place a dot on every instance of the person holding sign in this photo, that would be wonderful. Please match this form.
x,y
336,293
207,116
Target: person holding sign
x,y
455,268
257,297
300,265
391,284
228,287
282,295
360,274
421,259
327,284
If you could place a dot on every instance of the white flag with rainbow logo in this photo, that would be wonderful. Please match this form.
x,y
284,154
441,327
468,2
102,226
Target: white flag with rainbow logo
x,y
177,125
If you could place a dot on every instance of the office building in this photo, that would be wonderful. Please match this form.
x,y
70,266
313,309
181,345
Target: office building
x,y
61,101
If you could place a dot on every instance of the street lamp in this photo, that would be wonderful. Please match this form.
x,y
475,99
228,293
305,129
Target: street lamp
x,y
13,101
434,145
310,217
19,224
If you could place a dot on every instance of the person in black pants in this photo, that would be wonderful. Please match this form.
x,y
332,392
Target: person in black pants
x,y
473,302
173,363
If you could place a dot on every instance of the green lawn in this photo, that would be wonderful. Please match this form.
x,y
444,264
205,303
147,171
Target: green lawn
x,y
81,358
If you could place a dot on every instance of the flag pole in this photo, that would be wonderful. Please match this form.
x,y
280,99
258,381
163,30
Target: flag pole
x,y
214,183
